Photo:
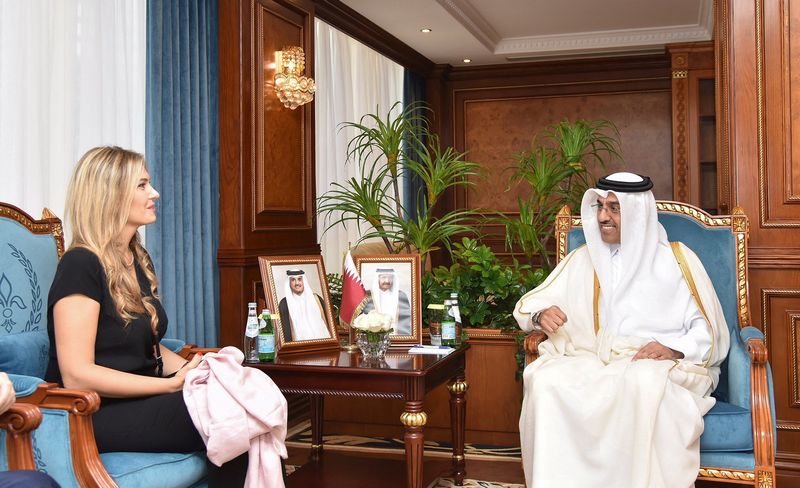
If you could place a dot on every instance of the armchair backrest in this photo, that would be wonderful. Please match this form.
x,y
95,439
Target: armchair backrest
x,y
29,254
721,244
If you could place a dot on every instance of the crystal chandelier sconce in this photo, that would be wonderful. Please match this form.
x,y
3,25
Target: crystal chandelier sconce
x,y
292,87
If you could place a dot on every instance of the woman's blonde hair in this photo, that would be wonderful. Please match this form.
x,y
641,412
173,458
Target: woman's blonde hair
x,y
98,205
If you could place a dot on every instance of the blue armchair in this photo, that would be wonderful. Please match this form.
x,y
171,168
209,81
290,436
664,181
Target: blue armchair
x,y
63,445
737,444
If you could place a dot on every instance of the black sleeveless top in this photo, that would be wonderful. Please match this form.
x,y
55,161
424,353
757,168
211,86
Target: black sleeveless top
x,y
124,348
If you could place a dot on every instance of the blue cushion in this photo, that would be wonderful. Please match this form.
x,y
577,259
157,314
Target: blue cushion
x,y
727,428
174,345
165,470
24,385
728,460
25,353
3,453
51,447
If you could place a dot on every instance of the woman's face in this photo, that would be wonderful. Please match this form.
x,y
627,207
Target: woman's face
x,y
143,206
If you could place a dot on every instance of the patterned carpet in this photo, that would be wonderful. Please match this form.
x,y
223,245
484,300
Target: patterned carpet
x,y
468,483
300,436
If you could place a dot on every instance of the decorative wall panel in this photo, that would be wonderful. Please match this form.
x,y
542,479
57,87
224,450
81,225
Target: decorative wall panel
x,y
496,129
266,151
759,81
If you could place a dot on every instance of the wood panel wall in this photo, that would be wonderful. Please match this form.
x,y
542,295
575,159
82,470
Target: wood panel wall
x,y
266,151
759,71
493,112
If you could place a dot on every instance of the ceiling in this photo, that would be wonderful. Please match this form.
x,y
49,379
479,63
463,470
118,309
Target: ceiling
x,y
504,31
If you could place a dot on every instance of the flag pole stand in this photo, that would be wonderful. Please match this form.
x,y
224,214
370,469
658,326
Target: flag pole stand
x,y
350,347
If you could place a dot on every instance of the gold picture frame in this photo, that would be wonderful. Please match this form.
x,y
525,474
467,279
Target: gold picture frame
x,y
408,282
306,274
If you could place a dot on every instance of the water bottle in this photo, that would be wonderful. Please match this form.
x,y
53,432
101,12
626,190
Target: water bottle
x,y
456,315
251,334
448,325
266,337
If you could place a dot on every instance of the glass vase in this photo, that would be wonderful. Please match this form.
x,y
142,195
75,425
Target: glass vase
x,y
373,345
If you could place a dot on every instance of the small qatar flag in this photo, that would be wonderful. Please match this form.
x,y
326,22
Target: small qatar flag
x,y
354,295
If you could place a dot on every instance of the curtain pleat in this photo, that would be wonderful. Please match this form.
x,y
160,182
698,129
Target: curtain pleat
x,y
352,80
414,93
183,155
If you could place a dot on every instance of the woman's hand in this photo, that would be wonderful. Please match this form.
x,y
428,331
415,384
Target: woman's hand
x,y
180,375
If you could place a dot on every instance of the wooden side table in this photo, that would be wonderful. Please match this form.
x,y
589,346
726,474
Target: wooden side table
x,y
401,375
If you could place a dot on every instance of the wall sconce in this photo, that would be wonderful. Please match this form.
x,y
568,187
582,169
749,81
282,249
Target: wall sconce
x,y
292,87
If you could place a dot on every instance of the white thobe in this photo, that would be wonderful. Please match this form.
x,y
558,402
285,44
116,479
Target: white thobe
x,y
591,417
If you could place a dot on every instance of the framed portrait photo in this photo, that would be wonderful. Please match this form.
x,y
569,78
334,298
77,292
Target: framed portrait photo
x,y
393,282
296,288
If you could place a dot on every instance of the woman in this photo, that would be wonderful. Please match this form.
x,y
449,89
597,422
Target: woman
x,y
105,319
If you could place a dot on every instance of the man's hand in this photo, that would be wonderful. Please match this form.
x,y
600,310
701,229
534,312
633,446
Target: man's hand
x,y
551,319
7,395
656,350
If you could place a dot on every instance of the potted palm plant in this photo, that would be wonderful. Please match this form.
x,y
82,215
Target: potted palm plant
x,y
557,170
387,148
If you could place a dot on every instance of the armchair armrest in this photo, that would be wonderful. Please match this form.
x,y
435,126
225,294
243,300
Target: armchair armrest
x,y
189,350
760,403
79,405
531,345
18,422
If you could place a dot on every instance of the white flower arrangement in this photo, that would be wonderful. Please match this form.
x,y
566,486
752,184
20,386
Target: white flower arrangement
x,y
374,322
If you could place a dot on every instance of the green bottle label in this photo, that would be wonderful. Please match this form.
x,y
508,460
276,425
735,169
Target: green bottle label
x,y
448,330
266,343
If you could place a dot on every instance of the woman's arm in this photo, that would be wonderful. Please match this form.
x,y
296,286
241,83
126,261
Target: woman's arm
x,y
76,319
174,363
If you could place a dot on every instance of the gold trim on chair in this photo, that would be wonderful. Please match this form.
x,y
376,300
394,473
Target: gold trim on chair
x,y
727,474
49,223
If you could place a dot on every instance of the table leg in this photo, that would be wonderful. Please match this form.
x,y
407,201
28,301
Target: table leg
x,y
458,424
414,420
317,418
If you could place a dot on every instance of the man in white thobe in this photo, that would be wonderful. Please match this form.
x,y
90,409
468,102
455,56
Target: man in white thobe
x,y
389,299
302,311
636,335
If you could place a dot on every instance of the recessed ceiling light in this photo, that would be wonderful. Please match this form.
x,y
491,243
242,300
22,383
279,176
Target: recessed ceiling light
x,y
425,30
467,60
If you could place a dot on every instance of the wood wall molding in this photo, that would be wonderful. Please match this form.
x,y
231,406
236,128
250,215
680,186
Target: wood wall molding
x,y
774,258
266,151
722,41
691,63
794,324
653,66
778,84
759,80
352,23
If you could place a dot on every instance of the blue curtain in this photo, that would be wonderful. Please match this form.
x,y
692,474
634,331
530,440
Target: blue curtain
x,y
182,150
414,188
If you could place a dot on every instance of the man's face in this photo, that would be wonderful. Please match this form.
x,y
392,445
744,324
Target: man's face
x,y
608,216
385,282
296,284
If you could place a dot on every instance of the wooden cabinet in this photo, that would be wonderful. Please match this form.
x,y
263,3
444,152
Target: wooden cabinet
x,y
694,126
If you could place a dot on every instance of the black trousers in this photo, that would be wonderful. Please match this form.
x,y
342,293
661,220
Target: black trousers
x,y
158,423
26,479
